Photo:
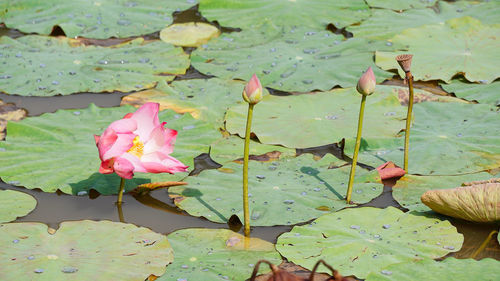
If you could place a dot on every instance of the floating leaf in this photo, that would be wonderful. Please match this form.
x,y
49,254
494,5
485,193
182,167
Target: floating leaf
x,y
130,66
231,149
384,24
289,120
409,189
206,99
82,250
189,34
482,93
448,269
15,204
400,4
478,203
31,155
282,192
465,138
465,46
363,240
216,254
91,19
315,14
298,60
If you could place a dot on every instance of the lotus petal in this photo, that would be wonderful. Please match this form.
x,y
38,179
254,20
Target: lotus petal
x,y
478,203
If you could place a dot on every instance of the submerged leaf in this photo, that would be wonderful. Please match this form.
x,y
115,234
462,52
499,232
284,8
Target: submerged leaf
x,y
478,203
189,34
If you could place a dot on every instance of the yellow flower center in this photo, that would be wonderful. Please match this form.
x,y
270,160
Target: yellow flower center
x,y
138,148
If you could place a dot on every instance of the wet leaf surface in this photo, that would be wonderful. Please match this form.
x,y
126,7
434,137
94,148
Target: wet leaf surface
x,y
298,59
313,14
384,24
449,269
76,170
464,136
92,19
465,46
79,250
363,240
291,122
400,4
130,66
15,204
283,192
216,254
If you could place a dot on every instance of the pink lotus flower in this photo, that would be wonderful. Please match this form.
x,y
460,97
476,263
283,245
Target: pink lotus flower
x,y
138,143
389,170
367,82
253,90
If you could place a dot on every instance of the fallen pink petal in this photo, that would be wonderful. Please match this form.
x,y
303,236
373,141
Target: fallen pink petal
x,y
389,170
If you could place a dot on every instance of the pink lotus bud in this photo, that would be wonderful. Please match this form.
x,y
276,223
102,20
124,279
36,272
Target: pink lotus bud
x,y
253,91
367,82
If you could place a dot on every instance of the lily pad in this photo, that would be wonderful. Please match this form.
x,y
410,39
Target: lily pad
x,y
282,192
216,254
78,250
189,34
91,19
410,188
465,46
315,14
130,66
289,120
400,4
465,138
482,93
9,112
75,171
15,204
448,269
206,99
477,203
299,60
363,240
231,148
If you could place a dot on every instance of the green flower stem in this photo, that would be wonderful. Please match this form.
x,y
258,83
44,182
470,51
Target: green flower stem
x,y
245,170
120,193
409,78
483,245
120,212
356,149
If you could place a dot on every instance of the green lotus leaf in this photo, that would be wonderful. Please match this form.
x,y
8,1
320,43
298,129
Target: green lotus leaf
x,y
289,120
91,19
216,254
465,46
231,148
206,99
130,66
76,170
82,250
384,24
465,138
282,192
297,60
189,34
478,203
316,14
363,240
448,269
15,204
400,4
410,188
482,93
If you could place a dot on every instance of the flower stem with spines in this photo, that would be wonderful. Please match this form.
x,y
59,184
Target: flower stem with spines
x,y
245,171
409,78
